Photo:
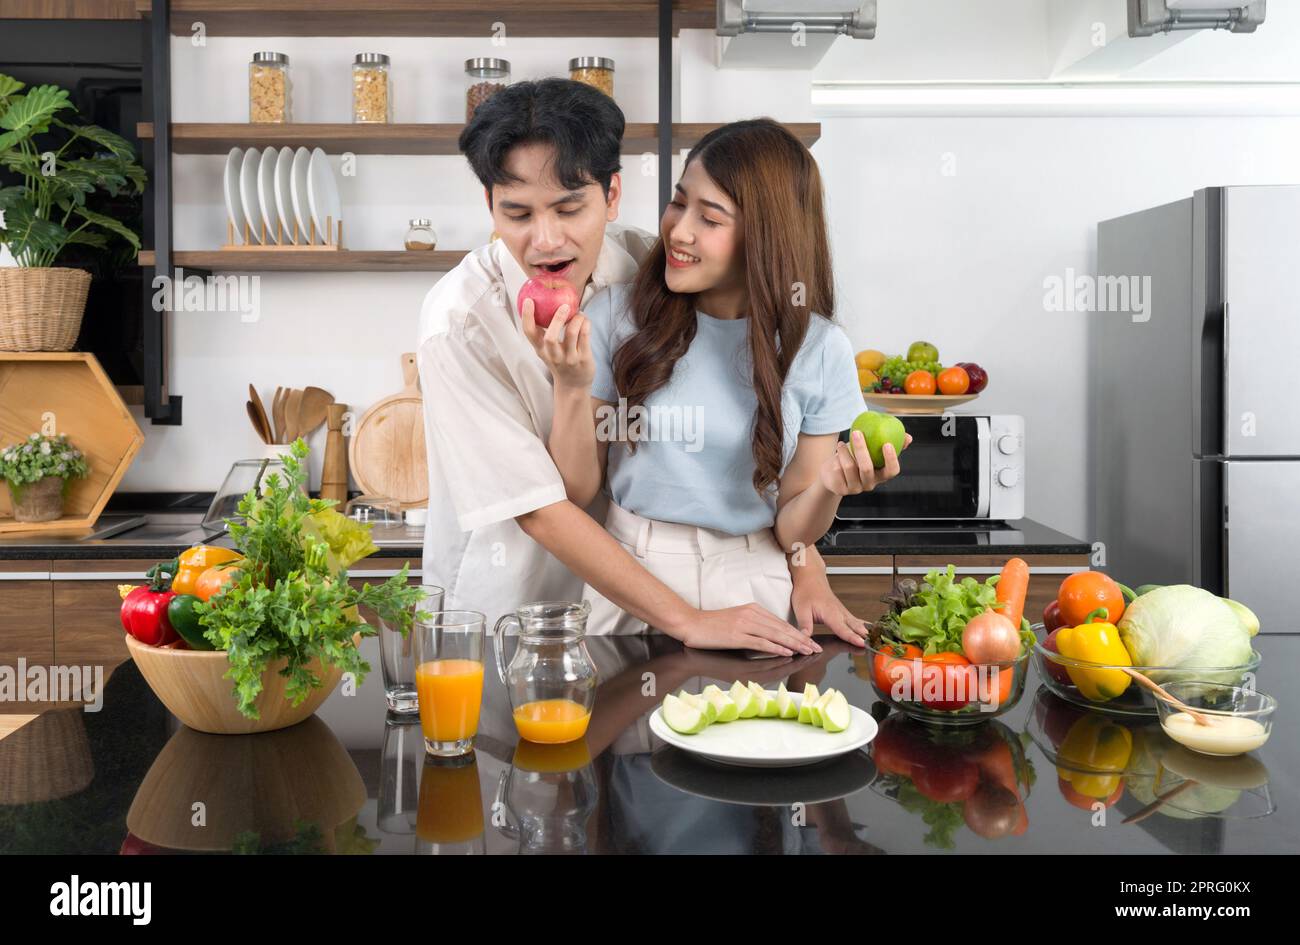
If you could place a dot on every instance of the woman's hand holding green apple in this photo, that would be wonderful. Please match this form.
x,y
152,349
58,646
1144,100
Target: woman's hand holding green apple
x,y
869,459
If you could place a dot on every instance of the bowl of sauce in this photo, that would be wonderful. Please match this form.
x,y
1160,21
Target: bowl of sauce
x,y
1238,720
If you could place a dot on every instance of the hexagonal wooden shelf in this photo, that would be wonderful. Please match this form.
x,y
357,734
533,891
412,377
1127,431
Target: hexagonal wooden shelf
x,y
69,392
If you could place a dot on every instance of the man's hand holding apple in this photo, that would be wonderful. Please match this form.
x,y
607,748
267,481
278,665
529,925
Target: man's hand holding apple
x,y
564,345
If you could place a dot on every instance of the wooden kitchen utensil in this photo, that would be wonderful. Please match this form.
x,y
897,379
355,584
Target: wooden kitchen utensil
x,y
277,413
256,419
311,413
264,422
334,471
293,401
387,453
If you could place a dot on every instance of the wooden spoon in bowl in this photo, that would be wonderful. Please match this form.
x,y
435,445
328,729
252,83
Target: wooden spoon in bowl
x,y
1149,683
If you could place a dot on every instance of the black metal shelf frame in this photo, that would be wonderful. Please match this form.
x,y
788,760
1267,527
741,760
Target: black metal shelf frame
x,y
161,407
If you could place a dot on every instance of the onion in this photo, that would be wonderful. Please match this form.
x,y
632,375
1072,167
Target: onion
x,y
990,638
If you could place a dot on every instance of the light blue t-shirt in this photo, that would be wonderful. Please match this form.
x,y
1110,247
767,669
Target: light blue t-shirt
x,y
694,463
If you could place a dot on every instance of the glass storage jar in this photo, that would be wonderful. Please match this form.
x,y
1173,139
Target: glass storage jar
x,y
372,91
421,236
484,77
596,71
269,92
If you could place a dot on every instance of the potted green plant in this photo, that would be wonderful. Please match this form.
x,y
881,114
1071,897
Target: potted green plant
x,y
38,471
59,165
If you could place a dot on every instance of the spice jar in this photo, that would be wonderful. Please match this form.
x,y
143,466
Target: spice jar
x,y
595,71
372,100
268,88
421,236
484,77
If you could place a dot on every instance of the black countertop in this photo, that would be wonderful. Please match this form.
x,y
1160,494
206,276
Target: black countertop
x,y
1023,536
352,780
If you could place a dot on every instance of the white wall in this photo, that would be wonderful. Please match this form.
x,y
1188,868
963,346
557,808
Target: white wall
x,y
958,259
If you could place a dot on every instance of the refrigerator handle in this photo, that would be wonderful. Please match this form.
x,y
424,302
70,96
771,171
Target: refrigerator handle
x,y
1227,388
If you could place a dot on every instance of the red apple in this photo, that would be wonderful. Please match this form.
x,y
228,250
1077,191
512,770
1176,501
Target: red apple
x,y
979,378
548,294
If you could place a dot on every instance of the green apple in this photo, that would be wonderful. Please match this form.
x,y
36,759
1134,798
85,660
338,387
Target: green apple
x,y
727,710
744,700
766,704
819,708
701,703
810,695
786,709
835,714
682,718
878,429
922,351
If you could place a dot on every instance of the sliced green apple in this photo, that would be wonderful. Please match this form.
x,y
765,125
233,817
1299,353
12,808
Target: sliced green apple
x,y
767,708
744,700
682,718
835,714
819,708
785,706
723,703
810,695
699,702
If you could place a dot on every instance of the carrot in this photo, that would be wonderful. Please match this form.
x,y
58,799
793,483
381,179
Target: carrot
x,y
1013,585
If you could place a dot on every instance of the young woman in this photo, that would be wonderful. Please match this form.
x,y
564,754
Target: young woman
x,y
721,379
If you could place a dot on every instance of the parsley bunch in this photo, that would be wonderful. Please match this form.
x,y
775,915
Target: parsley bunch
x,y
291,599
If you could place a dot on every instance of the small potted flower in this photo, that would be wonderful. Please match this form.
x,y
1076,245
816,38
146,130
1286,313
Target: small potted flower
x,y
38,471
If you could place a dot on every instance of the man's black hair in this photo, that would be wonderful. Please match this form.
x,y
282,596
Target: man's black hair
x,y
582,124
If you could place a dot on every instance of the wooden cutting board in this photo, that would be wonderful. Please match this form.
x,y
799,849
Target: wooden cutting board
x,y
387,452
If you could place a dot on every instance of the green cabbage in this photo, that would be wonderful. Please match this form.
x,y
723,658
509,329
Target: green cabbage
x,y
1183,627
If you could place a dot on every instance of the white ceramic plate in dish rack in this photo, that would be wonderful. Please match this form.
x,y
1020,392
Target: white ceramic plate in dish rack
x,y
248,193
230,189
301,211
323,195
284,192
769,743
266,192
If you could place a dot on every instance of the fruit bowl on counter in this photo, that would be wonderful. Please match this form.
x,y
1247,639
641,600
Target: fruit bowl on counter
x,y
917,383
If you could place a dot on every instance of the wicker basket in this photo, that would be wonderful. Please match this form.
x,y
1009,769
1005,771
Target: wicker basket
x,y
41,309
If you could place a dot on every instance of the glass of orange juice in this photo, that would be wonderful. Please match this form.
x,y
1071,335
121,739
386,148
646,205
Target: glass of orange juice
x,y
551,678
449,679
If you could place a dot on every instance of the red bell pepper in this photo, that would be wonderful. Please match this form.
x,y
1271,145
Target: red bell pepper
x,y
144,610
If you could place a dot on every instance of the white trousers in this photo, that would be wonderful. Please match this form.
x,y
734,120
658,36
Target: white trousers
x,y
706,568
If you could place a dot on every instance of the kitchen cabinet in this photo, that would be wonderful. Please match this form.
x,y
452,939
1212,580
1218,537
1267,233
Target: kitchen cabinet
x,y
859,581
1046,572
86,606
26,613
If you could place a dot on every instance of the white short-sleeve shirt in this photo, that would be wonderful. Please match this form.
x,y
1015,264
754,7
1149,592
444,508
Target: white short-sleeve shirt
x,y
487,415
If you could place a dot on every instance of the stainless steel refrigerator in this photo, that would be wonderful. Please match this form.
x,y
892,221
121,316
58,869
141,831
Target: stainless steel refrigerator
x,y
1194,397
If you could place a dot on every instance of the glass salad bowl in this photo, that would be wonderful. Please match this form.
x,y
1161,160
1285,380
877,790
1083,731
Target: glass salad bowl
x,y
940,692
1062,675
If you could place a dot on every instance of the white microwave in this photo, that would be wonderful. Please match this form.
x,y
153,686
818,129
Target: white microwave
x,y
958,467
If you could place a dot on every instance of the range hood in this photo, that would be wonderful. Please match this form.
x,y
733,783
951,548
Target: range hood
x,y
788,34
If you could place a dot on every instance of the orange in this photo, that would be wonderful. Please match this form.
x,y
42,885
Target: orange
x,y
919,382
954,380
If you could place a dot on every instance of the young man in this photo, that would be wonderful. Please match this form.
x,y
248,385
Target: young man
x,y
501,531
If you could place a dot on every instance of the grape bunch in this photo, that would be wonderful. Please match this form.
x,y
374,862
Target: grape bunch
x,y
895,370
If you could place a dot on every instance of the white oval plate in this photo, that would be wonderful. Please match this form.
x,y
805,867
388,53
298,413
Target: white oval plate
x,y
769,743
230,188
248,193
298,191
284,192
266,192
323,195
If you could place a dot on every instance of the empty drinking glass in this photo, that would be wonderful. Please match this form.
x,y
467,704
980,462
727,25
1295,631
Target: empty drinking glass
x,y
397,657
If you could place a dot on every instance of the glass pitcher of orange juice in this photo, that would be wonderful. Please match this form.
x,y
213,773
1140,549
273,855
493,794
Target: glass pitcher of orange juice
x,y
551,678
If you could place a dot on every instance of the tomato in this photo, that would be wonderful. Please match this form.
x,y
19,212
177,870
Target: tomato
x,y
889,666
950,779
213,581
919,382
1084,592
947,682
954,380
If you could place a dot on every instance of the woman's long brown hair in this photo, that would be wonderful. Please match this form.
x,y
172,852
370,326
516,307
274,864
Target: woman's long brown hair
x,y
775,184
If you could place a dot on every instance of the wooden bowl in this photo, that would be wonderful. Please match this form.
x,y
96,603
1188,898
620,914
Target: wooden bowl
x,y
916,404
190,685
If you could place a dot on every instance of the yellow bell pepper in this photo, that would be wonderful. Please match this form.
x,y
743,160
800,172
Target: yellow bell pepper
x,y
1097,752
1095,643
194,561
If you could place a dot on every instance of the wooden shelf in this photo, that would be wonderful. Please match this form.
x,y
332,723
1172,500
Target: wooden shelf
x,y
345,260
432,17
218,138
